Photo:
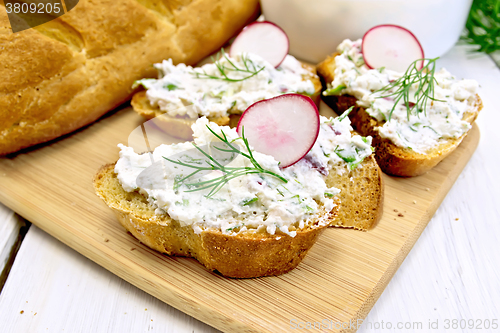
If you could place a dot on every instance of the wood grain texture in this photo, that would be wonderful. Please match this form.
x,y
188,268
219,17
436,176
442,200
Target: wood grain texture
x,y
345,272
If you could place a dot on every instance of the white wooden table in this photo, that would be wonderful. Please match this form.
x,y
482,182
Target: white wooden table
x,y
452,273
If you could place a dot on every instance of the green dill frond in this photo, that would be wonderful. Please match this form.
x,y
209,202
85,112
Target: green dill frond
x,y
483,25
223,70
211,163
400,89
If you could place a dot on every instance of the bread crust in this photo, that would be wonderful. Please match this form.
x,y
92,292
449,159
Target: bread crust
x,y
66,73
180,127
361,195
242,255
392,159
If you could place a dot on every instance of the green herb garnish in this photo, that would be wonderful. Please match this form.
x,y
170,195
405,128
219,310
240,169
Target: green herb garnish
x,y
424,81
235,227
432,129
224,70
483,25
212,164
345,113
170,86
249,201
349,158
352,159
297,197
185,202
334,91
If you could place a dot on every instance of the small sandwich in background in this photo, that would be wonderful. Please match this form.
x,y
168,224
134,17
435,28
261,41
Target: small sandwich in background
x,y
416,114
257,67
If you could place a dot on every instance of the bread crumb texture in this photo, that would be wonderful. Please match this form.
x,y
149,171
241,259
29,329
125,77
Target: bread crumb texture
x,y
66,73
362,198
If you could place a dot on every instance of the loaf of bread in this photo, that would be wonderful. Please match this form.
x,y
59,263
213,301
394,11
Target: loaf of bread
x,y
66,73
392,158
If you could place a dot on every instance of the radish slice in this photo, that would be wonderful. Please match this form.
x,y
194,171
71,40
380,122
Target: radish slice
x,y
285,127
265,39
392,47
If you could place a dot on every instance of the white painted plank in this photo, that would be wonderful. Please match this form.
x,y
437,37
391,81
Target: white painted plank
x,y
453,271
52,288
9,230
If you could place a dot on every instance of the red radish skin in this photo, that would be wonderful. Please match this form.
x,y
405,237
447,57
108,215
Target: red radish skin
x,y
391,46
265,39
285,127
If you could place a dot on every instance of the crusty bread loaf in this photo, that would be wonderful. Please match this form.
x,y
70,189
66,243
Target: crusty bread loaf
x,y
392,159
244,255
180,127
66,73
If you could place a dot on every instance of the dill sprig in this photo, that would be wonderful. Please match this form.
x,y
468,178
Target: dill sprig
x,y
229,172
483,25
400,89
224,70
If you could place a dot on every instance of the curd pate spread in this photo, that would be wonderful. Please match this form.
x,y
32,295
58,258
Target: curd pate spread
x,y
252,201
230,85
421,132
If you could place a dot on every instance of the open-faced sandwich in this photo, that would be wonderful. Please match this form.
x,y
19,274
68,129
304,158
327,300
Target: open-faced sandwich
x,y
253,70
249,201
416,114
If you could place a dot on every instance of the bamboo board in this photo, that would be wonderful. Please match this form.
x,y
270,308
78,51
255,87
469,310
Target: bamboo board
x,y
337,283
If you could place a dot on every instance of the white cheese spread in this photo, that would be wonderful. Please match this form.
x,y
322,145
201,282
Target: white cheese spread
x,y
230,85
257,201
441,121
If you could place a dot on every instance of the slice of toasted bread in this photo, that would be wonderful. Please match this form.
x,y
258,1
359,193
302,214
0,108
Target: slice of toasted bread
x,y
244,255
255,251
180,127
392,159
361,196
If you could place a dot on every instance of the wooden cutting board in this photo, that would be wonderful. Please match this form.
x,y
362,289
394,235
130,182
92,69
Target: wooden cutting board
x,y
336,285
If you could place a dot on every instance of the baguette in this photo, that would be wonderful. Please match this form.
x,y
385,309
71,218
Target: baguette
x,y
68,72
392,159
254,251
180,126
